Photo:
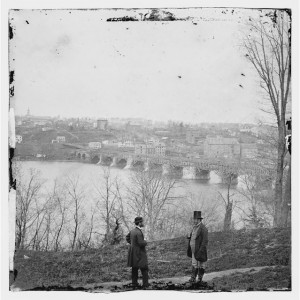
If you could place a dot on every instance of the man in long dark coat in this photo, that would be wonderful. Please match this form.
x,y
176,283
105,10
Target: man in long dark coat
x,y
197,247
137,255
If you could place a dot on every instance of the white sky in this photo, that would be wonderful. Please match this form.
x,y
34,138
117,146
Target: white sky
x,y
75,64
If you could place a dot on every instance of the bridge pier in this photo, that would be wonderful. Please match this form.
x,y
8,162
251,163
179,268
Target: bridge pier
x,y
129,163
189,173
203,174
166,168
114,162
100,160
226,178
146,165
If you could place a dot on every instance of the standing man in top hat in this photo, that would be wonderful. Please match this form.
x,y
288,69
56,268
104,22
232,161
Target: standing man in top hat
x,y
137,255
197,248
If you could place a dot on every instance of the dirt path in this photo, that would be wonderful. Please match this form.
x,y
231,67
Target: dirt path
x,y
108,286
176,280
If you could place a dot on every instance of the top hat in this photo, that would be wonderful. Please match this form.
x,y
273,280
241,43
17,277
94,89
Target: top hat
x,y
138,220
197,215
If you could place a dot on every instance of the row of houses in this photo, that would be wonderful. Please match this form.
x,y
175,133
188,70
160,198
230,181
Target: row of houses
x,y
119,144
228,148
59,139
150,149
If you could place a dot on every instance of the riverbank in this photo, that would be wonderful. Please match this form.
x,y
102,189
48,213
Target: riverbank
x,y
36,159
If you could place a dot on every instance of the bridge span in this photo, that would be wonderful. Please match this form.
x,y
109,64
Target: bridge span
x,y
191,168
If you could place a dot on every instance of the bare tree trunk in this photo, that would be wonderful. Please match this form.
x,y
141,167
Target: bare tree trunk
x,y
228,202
77,196
62,209
269,51
76,219
228,217
90,233
285,218
279,178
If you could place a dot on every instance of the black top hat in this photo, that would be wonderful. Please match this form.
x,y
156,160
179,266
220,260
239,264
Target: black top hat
x,y
197,215
138,220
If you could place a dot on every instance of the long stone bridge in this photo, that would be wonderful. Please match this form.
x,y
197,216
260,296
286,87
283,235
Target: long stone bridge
x,y
190,168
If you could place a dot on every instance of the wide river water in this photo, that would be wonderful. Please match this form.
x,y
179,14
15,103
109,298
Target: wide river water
x,y
205,190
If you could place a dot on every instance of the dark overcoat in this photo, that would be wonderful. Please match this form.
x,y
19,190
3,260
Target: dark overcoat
x,y
200,244
137,255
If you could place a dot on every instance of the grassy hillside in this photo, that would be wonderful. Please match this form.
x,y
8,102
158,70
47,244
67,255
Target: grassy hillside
x,y
238,249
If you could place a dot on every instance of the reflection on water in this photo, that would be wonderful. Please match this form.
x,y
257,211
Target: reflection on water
x,y
201,191
89,172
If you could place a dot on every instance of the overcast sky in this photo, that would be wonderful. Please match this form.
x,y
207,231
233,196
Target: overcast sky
x,y
76,64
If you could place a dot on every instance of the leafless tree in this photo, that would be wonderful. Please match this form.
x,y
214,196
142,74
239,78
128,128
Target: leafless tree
x,y
256,200
183,215
108,192
268,48
228,201
28,191
85,240
77,197
61,205
286,207
36,232
149,194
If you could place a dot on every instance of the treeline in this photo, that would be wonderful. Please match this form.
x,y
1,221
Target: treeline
x,y
69,214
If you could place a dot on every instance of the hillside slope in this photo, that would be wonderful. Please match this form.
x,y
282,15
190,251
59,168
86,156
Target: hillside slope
x,y
167,258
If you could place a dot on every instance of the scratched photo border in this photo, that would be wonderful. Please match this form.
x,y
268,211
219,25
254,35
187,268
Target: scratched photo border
x,y
11,180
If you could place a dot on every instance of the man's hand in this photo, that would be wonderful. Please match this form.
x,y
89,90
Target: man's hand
x,y
128,240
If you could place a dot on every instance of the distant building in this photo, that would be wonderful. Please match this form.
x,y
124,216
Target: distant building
x,y
150,149
126,144
144,149
19,139
36,120
254,130
61,139
140,149
194,136
160,149
249,150
152,141
46,129
54,141
113,143
221,147
102,124
94,145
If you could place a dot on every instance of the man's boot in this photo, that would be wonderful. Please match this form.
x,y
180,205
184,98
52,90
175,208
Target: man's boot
x,y
201,272
134,277
194,274
145,277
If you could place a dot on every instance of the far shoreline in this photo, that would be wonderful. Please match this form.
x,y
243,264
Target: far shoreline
x,y
54,160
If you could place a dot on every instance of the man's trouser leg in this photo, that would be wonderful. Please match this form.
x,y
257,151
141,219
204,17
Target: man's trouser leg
x,y
145,276
201,270
198,268
134,276
194,269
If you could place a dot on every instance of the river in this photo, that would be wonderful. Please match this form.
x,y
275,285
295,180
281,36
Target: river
x,y
205,193
88,172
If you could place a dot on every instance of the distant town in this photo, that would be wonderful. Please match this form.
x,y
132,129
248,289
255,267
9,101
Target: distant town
x,y
55,138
